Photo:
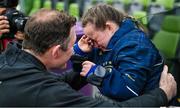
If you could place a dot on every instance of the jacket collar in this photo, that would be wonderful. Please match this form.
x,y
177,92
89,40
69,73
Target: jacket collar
x,y
14,50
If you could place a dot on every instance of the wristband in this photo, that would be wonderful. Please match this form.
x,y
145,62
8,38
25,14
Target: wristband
x,y
91,71
78,51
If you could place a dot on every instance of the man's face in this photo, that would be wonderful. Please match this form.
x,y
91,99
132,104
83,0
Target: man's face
x,y
98,36
65,55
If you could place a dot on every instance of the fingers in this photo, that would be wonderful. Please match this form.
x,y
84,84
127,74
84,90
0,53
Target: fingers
x,y
85,44
4,24
4,31
85,70
170,76
84,37
83,74
19,35
3,17
87,39
3,20
87,62
164,72
168,83
86,66
173,88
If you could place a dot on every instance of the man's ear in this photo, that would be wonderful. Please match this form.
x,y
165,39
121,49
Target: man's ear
x,y
56,51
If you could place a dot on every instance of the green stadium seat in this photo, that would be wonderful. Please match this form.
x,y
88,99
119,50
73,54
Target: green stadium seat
x,y
171,23
167,39
74,10
141,16
167,43
47,4
60,5
36,6
26,6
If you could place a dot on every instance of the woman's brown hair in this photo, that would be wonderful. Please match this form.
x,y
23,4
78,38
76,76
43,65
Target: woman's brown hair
x,y
100,14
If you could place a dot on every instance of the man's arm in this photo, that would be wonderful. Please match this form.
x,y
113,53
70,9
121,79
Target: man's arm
x,y
60,94
154,98
73,79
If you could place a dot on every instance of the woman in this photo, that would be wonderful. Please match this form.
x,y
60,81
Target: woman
x,y
123,61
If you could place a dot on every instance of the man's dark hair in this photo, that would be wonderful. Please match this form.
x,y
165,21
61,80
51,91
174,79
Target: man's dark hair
x,y
47,28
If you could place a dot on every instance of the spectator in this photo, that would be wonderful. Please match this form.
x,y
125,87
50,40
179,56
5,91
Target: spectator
x,y
4,24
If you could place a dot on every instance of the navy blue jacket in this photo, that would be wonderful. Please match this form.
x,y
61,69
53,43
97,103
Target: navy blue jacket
x,y
132,64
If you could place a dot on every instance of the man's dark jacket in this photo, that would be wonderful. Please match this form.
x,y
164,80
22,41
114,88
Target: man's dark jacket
x,y
24,81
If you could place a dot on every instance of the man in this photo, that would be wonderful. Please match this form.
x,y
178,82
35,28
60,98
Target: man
x,y
49,39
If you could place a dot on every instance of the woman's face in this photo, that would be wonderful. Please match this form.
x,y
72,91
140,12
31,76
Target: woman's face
x,y
98,36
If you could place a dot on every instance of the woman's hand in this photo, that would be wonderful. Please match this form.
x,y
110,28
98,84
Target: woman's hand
x,y
85,44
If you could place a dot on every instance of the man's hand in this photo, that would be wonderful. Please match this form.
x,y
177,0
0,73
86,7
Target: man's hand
x,y
168,84
19,35
85,44
4,25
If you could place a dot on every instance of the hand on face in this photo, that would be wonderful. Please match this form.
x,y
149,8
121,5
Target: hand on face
x,y
86,66
85,44
168,84
4,25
